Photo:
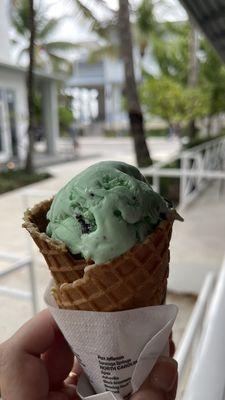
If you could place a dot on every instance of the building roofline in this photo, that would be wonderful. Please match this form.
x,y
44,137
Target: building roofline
x,y
39,73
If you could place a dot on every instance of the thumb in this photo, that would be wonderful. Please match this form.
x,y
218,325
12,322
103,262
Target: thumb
x,y
161,384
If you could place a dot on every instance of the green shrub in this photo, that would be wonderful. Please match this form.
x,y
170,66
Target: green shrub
x,y
112,133
160,132
14,179
65,117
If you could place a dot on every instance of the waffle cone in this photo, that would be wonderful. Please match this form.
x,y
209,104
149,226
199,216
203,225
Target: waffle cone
x,y
138,278
63,265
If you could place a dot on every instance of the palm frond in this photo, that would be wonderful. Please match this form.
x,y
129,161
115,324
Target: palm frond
x,y
109,50
59,63
145,20
20,16
49,27
60,46
86,13
22,53
57,57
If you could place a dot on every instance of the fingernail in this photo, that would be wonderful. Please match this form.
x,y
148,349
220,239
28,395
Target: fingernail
x,y
164,373
72,374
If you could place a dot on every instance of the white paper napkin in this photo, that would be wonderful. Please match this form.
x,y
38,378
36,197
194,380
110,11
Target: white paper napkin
x,y
117,350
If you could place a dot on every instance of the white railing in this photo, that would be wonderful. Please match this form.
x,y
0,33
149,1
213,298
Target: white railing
x,y
207,378
202,159
17,263
198,166
186,351
195,323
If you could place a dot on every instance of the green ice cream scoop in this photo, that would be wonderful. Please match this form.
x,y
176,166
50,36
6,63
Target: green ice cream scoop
x,y
103,211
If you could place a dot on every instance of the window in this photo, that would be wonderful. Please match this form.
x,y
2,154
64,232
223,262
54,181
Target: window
x,y
8,134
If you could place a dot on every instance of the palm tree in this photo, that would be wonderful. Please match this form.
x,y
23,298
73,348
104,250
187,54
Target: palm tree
x,y
131,93
121,20
145,26
47,52
30,89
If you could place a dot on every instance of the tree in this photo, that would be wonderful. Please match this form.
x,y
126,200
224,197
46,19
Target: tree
x,y
131,93
145,27
172,101
212,80
106,31
48,53
30,90
193,70
171,51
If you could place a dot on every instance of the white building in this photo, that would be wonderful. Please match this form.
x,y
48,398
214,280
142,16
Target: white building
x,y
107,78
13,101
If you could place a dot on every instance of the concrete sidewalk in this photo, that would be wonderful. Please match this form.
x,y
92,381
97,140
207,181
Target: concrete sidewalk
x,y
198,244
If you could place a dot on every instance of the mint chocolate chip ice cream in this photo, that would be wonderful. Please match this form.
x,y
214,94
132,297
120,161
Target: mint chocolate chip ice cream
x,y
103,211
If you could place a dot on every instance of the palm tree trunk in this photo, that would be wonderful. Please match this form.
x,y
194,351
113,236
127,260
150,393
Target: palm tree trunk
x,y
193,68
29,167
131,93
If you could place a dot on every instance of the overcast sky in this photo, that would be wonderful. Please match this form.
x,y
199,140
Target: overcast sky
x,y
73,28
76,30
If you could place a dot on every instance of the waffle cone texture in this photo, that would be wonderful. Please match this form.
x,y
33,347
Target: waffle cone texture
x,y
138,278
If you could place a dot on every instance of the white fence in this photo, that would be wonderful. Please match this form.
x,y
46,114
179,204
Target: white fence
x,y
197,167
207,378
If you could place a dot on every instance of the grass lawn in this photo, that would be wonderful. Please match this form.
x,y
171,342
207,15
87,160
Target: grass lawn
x,y
14,179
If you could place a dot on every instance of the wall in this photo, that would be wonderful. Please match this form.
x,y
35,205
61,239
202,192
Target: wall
x,y
4,32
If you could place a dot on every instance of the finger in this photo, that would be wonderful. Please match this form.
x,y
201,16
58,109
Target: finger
x,y
21,363
77,369
172,394
41,334
172,347
37,335
59,361
160,382
72,379
22,376
149,394
164,374
74,373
